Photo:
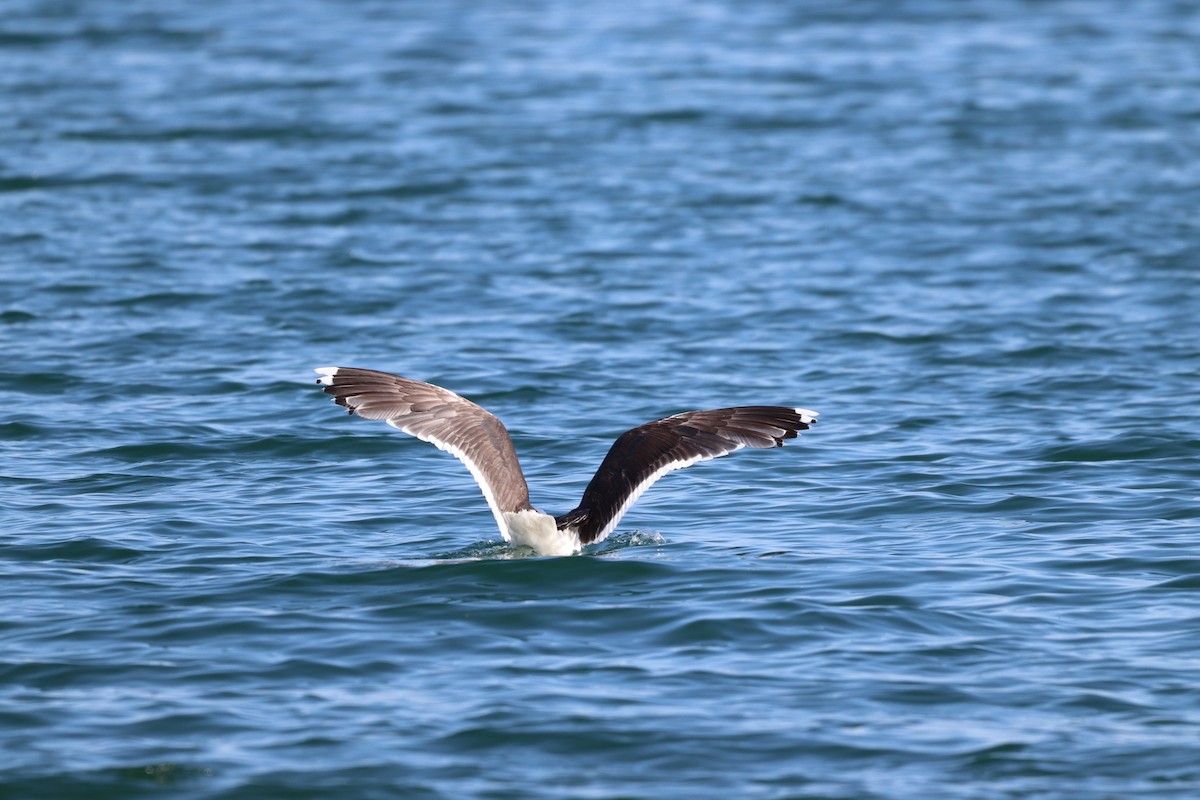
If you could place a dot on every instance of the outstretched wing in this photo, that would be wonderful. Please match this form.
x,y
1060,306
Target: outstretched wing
x,y
644,454
441,417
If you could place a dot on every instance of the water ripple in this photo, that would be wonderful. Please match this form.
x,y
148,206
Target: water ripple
x,y
965,234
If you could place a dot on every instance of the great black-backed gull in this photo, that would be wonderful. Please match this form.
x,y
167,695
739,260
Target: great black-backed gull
x,y
637,459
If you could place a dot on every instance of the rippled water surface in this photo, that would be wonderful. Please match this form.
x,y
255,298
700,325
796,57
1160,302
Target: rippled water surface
x,y
966,233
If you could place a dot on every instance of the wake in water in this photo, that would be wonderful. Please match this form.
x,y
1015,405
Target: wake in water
x,y
503,551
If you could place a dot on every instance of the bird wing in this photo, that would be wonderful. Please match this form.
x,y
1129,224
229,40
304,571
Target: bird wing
x,y
644,454
436,415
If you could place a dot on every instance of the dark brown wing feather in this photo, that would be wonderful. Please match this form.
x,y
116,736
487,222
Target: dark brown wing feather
x,y
439,416
644,454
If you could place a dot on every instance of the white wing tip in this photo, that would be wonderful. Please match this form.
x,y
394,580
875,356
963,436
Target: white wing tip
x,y
326,374
806,416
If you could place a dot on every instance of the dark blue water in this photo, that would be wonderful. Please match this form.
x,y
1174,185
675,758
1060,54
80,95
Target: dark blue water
x,y
966,233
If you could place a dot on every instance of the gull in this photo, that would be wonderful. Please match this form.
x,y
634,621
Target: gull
x,y
637,459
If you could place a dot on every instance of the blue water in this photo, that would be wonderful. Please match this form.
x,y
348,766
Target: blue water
x,y
966,233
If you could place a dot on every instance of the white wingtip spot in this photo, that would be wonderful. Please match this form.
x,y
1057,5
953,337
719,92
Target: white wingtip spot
x,y
806,416
326,374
